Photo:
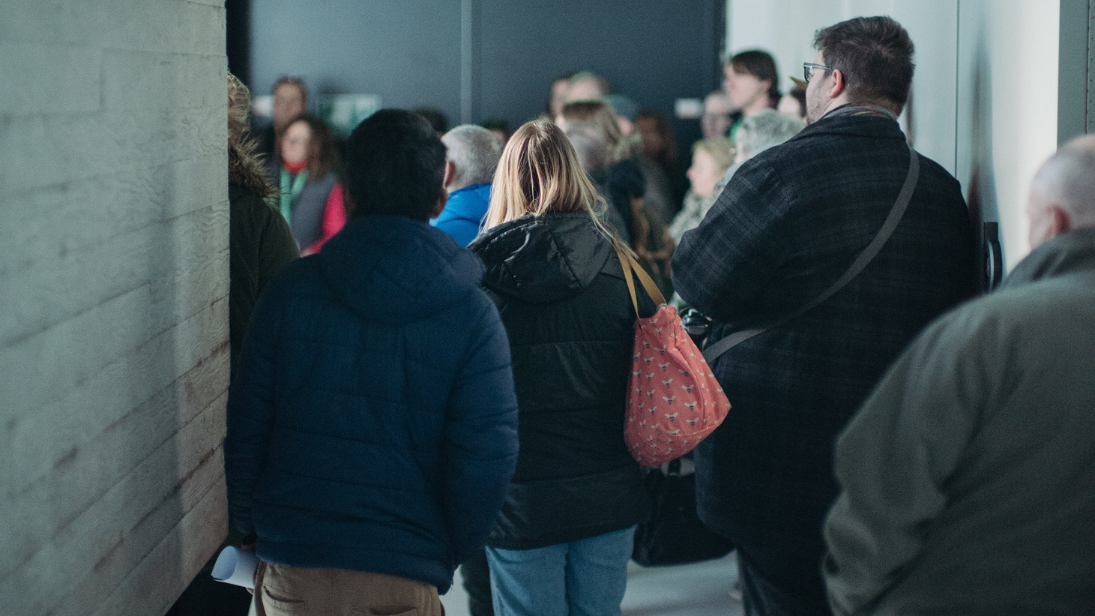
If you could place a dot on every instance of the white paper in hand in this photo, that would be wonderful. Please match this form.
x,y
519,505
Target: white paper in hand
x,y
234,566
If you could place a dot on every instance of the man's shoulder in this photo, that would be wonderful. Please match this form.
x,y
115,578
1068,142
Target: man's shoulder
x,y
469,204
297,276
1051,304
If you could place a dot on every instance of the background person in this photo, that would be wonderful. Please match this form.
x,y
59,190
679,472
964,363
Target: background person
x,y
557,97
473,153
622,179
565,534
435,117
498,126
657,194
710,160
717,115
586,86
759,132
290,100
752,83
310,199
794,102
594,155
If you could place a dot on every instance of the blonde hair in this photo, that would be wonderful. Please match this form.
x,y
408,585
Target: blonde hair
x,y
539,173
604,116
720,148
244,165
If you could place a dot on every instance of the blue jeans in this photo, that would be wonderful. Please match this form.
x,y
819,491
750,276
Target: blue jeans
x,y
587,577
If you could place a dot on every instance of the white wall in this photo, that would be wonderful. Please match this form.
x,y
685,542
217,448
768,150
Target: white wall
x,y
1007,108
786,28
113,309
984,100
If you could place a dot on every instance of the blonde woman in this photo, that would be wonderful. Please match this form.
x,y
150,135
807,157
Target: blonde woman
x,y
710,160
565,533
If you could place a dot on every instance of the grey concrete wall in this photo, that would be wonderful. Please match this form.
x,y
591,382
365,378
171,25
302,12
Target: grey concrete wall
x,y
113,301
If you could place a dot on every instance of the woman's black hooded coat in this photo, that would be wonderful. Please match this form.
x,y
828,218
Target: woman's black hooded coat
x,y
560,290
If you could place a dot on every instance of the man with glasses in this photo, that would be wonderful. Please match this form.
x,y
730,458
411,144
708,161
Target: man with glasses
x,y
788,226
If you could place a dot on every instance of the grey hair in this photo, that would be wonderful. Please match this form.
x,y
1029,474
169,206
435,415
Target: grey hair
x,y
1068,179
766,129
589,142
474,151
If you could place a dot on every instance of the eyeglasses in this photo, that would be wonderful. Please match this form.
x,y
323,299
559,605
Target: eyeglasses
x,y
808,69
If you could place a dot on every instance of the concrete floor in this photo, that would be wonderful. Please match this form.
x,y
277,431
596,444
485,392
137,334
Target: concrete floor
x,y
701,589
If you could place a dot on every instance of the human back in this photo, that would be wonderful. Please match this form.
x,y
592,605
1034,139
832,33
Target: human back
x,y
972,457
794,387
790,222
372,423
553,270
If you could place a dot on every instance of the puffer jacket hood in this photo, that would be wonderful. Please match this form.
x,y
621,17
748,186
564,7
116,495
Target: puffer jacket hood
x,y
394,269
542,259
562,296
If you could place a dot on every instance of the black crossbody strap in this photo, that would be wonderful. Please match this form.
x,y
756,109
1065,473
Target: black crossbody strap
x,y
903,198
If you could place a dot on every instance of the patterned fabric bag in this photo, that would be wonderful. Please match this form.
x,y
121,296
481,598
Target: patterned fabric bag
x,y
673,399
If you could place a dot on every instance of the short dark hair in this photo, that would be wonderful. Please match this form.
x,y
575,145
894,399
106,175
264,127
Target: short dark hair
x,y
435,117
761,65
395,165
875,56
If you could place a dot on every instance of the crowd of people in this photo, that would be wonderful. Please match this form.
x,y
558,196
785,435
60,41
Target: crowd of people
x,y
442,380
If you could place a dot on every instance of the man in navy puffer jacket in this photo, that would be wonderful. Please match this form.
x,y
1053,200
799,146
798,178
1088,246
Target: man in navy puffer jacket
x,y
372,423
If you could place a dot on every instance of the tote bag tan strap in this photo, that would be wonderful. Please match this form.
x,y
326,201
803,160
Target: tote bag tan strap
x,y
624,263
629,264
648,283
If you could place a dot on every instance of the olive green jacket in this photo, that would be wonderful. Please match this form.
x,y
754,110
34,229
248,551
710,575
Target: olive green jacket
x,y
968,476
259,245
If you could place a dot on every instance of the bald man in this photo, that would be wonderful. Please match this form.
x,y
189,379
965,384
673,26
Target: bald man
x,y
969,474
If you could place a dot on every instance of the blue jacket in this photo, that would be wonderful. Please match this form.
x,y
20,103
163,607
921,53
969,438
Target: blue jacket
x,y
372,421
464,213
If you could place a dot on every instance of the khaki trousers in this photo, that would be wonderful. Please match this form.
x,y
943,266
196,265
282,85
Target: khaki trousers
x,y
283,590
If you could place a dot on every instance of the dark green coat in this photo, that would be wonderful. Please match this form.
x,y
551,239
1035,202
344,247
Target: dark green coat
x,y
259,245
969,474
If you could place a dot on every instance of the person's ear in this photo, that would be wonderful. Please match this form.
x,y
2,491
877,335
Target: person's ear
x,y
1059,222
450,173
836,84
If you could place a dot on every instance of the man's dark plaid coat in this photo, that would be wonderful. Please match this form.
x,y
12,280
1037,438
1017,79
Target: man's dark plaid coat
x,y
788,224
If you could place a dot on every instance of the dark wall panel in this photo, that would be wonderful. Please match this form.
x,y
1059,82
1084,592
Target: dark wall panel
x,y
408,51
651,50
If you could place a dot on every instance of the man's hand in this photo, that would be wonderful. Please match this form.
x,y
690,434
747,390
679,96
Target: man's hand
x,y
250,547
